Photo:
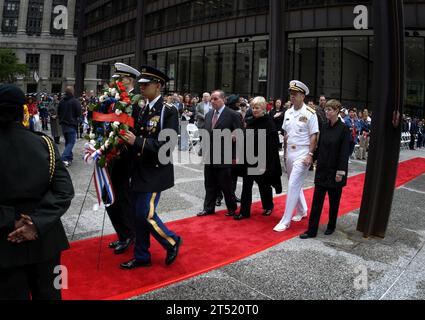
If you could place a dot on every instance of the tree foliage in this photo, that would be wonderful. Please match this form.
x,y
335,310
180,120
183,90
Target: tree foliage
x,y
10,67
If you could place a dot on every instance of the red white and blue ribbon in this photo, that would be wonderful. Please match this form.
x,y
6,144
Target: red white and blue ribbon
x,y
102,180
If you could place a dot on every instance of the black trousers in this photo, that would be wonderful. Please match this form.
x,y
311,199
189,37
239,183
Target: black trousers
x,y
317,206
121,212
266,194
412,142
234,185
215,181
34,282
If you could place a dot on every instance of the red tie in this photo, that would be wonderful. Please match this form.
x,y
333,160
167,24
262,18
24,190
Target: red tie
x,y
214,119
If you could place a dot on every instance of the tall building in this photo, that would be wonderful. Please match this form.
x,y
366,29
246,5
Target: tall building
x,y
43,35
251,47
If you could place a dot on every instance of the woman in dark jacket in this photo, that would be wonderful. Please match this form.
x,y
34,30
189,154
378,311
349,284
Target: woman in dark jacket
x,y
332,169
270,168
278,114
33,197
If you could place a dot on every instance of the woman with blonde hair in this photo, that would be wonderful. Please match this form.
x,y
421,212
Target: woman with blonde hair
x,y
268,163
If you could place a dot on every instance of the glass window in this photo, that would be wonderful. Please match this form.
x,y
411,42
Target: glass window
x,y
10,13
291,56
172,70
211,67
355,71
305,62
370,80
329,67
160,61
183,71
35,17
415,72
56,66
196,71
260,68
227,67
243,68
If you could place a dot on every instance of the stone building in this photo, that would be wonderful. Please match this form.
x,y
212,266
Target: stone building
x,y
43,35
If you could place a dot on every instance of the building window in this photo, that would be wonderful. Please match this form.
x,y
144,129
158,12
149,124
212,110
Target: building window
x,y
33,62
56,88
183,71
202,11
244,68
227,67
328,75
10,16
355,71
53,30
415,73
35,17
260,68
56,66
197,71
211,68
305,62
172,70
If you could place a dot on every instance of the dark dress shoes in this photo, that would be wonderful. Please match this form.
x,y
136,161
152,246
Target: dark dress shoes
x,y
230,214
172,253
114,244
123,246
267,213
204,213
133,264
306,235
240,217
328,232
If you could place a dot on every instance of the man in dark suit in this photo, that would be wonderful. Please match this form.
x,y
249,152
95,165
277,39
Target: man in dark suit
x,y
150,175
413,130
120,213
218,171
35,191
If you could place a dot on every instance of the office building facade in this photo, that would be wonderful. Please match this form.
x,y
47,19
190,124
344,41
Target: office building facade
x,y
252,47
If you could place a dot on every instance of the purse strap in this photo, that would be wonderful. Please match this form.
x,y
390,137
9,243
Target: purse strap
x,y
52,157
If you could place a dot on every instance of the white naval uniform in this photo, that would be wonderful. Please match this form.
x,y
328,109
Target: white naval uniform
x,y
299,126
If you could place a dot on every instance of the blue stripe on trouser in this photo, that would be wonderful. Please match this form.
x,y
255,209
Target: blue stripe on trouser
x,y
147,223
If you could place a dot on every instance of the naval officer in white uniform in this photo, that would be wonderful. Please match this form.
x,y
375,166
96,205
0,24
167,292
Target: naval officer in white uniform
x,y
301,130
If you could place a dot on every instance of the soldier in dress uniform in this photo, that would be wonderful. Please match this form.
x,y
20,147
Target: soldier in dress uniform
x,y
301,129
149,176
34,194
121,212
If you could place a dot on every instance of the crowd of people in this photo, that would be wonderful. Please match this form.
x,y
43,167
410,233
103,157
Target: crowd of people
x,y
322,136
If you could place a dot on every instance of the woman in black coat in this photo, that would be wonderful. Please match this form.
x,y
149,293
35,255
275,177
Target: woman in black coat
x,y
269,167
331,171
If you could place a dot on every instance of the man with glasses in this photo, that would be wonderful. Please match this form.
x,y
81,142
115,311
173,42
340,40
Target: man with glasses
x,y
301,129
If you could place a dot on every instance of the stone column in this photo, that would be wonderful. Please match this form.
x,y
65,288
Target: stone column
x,y
69,32
44,70
1,12
90,81
69,68
22,20
47,18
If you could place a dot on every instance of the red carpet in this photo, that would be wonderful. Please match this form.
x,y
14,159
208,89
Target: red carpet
x,y
209,243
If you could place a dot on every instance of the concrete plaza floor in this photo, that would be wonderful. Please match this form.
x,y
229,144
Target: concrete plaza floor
x,y
342,266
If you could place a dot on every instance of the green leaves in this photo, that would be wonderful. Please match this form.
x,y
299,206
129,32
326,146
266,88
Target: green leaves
x,y
10,67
